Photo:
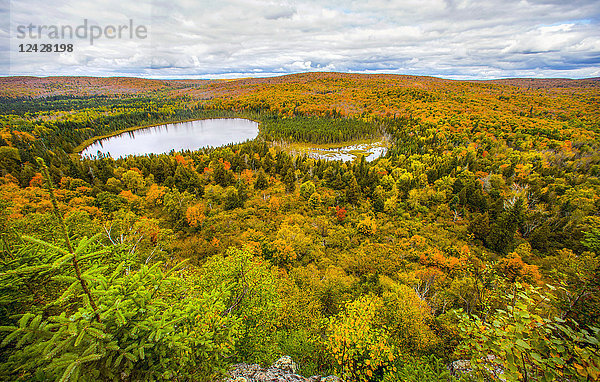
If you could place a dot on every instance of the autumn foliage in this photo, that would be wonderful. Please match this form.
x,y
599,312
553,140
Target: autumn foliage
x,y
475,235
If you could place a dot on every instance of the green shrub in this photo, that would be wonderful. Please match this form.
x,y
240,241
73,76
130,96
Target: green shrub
x,y
359,343
253,300
528,346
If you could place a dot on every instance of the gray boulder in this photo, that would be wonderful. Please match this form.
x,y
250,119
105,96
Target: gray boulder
x,y
283,370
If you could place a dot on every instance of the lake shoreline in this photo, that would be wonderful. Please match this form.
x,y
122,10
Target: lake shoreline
x,y
88,142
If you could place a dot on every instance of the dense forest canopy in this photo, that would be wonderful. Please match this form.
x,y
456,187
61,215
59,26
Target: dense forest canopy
x,y
475,238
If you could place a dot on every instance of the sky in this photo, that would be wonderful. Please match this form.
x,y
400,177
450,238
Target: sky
x,y
456,39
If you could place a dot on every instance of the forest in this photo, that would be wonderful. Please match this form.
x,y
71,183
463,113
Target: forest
x,y
475,238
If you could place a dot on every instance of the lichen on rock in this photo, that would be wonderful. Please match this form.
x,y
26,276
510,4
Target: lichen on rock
x,y
282,370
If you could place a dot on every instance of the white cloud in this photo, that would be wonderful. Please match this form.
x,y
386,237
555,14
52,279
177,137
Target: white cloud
x,y
238,38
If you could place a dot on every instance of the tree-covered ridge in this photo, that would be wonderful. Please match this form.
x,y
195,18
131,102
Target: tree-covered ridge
x,y
464,242
36,87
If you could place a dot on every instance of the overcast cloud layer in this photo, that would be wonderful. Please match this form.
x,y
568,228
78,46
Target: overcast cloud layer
x,y
240,38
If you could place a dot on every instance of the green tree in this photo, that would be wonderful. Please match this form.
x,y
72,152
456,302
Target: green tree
x,y
232,199
502,232
222,176
353,191
133,180
290,181
591,240
187,179
253,300
10,160
307,189
479,226
261,182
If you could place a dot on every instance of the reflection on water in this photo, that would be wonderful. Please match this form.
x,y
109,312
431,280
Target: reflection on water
x,y
175,136
370,151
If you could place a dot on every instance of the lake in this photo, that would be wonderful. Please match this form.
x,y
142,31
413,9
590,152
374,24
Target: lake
x,y
175,136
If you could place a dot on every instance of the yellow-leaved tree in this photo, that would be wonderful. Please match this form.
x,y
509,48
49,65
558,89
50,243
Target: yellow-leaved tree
x,y
369,339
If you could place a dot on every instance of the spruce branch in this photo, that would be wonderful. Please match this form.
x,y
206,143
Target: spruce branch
x,y
63,228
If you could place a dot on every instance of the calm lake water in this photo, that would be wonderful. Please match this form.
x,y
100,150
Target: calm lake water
x,y
175,136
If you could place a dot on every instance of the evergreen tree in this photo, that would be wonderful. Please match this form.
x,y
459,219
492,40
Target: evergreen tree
x,y
261,181
353,191
232,199
290,181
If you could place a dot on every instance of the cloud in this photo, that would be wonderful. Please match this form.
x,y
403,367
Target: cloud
x,y
238,38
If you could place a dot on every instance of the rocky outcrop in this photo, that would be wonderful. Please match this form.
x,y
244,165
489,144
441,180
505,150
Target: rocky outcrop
x,y
460,368
463,367
283,370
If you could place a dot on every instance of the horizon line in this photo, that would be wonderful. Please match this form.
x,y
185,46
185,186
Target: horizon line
x,y
168,78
